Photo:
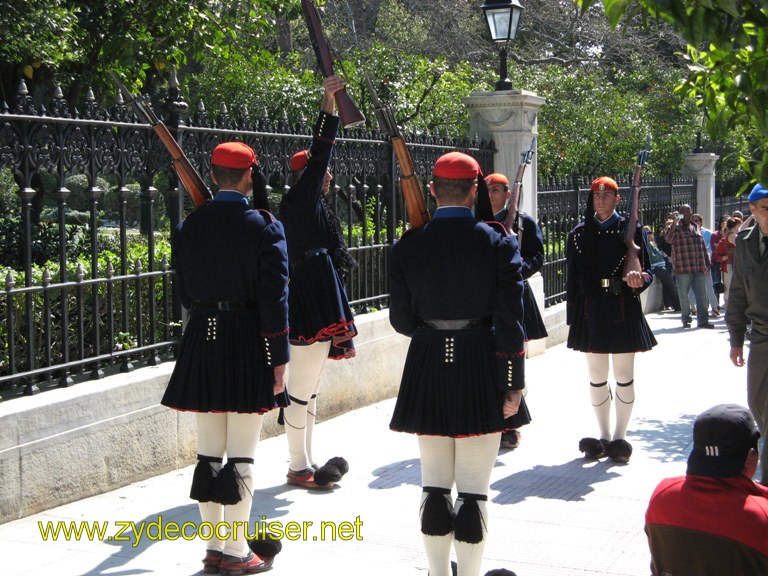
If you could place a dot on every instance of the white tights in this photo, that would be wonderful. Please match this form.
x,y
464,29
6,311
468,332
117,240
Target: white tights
x,y
236,436
468,463
304,372
600,391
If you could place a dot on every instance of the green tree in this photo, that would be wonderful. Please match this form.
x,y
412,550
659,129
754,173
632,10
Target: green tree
x,y
728,62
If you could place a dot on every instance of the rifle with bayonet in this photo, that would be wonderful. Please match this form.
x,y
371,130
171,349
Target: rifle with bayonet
x,y
632,258
348,111
514,198
409,183
190,179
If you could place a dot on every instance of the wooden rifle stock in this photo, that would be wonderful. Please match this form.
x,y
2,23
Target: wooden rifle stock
x,y
348,111
190,179
632,258
413,196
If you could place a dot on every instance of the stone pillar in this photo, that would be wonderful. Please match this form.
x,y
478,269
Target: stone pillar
x,y
510,119
702,165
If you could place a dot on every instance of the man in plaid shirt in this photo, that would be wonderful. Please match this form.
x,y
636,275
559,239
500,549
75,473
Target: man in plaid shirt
x,y
690,264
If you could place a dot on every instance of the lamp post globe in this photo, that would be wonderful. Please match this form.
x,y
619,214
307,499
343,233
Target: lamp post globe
x,y
503,19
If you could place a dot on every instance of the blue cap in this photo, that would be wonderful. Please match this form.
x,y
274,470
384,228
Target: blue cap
x,y
758,193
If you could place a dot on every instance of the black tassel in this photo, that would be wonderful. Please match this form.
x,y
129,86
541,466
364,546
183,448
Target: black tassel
x,y
266,545
326,474
500,572
227,487
340,463
436,512
203,478
469,520
280,420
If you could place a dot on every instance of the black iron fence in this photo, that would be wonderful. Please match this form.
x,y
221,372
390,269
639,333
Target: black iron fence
x,y
561,205
84,251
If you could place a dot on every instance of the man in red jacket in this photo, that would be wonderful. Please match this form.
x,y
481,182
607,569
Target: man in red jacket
x,y
713,520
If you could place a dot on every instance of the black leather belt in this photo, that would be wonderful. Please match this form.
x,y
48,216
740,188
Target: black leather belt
x,y
310,254
614,285
223,306
455,324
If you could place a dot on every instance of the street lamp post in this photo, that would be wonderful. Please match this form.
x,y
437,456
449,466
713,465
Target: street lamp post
x,y
503,18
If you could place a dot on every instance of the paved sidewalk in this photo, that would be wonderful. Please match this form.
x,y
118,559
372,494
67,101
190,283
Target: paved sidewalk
x,y
551,512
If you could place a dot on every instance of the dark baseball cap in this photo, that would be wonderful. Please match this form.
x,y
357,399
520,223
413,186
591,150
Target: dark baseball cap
x,y
722,437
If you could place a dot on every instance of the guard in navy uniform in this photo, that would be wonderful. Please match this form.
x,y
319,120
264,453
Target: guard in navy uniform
x,y
232,274
456,289
605,315
322,325
531,245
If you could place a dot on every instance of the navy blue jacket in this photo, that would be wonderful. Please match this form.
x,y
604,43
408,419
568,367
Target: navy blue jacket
x,y
458,268
225,251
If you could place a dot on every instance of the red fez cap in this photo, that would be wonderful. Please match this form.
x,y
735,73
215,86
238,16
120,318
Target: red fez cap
x,y
235,155
456,166
299,160
496,178
604,183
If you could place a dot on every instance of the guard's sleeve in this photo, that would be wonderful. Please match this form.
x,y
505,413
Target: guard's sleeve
x,y
571,277
309,187
508,317
532,249
273,293
179,280
401,314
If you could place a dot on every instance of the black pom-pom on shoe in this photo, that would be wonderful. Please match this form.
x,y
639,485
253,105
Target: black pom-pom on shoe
x,y
500,572
619,451
593,448
327,474
340,463
266,546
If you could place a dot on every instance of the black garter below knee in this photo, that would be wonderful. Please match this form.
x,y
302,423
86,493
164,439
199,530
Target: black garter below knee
x,y
203,478
227,486
436,512
469,525
281,415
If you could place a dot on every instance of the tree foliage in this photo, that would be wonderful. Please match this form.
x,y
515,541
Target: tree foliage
x,y
608,81
728,62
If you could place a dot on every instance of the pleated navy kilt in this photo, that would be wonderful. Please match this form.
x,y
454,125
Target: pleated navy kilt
x,y
449,386
604,322
211,366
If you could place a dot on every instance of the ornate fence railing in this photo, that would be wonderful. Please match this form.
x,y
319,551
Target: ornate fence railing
x,y
84,254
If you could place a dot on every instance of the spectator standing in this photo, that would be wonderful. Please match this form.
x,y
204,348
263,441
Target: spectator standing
x,y
725,253
747,312
659,267
690,264
712,296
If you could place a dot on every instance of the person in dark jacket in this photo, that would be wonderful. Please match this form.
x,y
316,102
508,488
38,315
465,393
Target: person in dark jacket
x,y
232,275
747,313
604,314
456,291
322,324
713,520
